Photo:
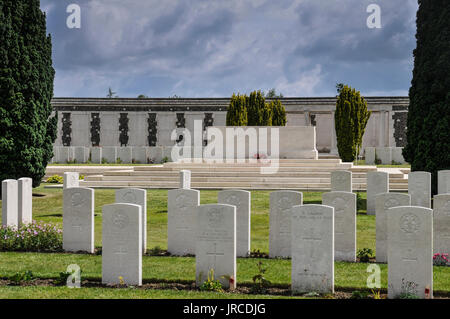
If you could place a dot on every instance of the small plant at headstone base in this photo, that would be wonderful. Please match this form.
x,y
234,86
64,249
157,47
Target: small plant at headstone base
x,y
377,159
34,237
440,259
364,255
376,294
211,284
357,294
260,283
118,160
104,160
158,251
81,177
20,277
350,119
256,253
311,294
409,290
164,160
55,179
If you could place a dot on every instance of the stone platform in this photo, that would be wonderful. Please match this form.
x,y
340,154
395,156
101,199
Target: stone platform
x,y
305,175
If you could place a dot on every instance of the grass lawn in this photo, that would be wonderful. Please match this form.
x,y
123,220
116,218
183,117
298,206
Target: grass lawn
x,y
348,276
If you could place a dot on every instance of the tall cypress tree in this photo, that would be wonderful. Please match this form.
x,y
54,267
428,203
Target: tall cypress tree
x,y
237,111
428,133
279,113
27,127
351,118
255,108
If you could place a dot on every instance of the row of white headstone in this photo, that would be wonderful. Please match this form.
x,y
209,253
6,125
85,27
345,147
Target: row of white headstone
x,y
17,202
419,187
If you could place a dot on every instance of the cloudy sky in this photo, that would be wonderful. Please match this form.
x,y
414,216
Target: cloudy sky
x,y
212,48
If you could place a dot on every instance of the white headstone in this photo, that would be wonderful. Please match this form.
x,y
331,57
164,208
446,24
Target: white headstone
x,y
109,154
344,204
242,200
312,249
341,181
441,224
122,244
78,219
81,154
444,182
139,155
25,205
66,154
384,154
10,209
370,155
377,183
182,205
185,179
397,155
382,203
281,203
410,251
124,154
139,197
419,187
96,155
71,179
215,251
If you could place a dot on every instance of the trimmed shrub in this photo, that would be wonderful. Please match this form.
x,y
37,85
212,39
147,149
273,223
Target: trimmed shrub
x,y
351,118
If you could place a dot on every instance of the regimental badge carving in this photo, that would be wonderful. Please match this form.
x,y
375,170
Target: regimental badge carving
x,y
233,200
77,199
284,203
409,223
215,218
120,219
391,202
340,205
129,197
180,201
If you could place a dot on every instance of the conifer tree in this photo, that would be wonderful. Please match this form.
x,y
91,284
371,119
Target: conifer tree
x,y
27,127
351,118
237,111
428,128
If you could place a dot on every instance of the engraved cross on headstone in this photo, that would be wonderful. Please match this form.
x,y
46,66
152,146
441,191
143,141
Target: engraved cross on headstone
x,y
215,254
121,252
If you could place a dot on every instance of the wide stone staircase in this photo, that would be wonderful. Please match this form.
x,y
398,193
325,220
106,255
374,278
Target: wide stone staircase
x,y
306,175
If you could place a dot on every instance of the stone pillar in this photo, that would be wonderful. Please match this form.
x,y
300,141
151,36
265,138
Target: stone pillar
x,y
333,149
307,119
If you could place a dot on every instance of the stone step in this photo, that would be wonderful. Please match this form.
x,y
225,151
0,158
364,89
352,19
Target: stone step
x,y
221,185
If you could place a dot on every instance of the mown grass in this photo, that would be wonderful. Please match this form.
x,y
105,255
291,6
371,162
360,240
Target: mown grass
x,y
350,276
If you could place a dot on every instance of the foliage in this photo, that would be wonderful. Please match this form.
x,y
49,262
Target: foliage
x,y
55,179
211,284
256,253
278,113
360,202
364,255
376,294
27,127
111,94
359,295
428,133
409,290
351,118
35,237
260,283
272,94
19,277
237,111
165,160
256,104
440,259
254,111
